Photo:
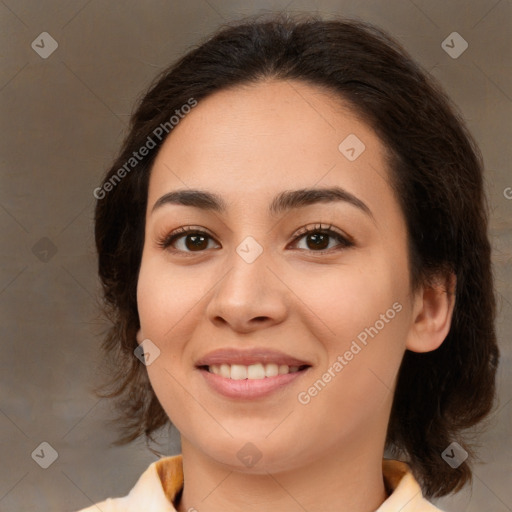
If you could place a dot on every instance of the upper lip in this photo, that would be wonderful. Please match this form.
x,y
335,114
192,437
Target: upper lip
x,y
249,356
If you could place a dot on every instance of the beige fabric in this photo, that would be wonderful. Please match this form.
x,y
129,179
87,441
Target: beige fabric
x,y
159,485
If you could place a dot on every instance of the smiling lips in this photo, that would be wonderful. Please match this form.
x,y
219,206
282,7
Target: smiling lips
x,y
252,372
249,373
250,364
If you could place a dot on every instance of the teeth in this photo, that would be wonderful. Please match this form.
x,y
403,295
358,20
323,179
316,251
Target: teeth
x,y
254,371
271,370
225,371
238,372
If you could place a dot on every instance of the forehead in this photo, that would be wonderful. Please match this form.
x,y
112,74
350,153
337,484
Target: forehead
x,y
262,138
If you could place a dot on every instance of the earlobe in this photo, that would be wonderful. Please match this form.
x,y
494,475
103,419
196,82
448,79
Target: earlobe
x,y
433,311
139,337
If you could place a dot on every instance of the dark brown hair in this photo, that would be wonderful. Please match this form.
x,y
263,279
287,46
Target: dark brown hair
x,y
436,171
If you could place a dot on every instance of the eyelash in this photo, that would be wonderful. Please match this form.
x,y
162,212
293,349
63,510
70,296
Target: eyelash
x,y
344,240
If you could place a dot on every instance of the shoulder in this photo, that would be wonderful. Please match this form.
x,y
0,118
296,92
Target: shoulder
x,y
154,491
405,492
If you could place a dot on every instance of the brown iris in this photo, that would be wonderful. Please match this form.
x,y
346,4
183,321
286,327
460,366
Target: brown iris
x,y
197,242
320,241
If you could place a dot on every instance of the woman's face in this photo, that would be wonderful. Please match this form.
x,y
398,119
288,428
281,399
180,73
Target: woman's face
x,y
253,295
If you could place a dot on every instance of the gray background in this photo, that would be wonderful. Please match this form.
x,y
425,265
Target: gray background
x,y
63,119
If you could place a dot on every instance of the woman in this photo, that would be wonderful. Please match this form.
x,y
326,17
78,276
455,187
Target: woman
x,y
293,249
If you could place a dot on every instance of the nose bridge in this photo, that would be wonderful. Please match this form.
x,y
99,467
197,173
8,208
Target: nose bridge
x,y
245,292
248,268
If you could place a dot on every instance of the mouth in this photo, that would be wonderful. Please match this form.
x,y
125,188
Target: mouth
x,y
250,374
255,371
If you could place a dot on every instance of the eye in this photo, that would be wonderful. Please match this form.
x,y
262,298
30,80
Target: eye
x,y
186,239
318,239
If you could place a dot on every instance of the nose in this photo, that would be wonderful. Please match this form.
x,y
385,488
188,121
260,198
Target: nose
x,y
250,296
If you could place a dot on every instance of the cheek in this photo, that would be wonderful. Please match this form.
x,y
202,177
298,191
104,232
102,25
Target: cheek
x,y
348,298
162,305
164,298
356,386
365,312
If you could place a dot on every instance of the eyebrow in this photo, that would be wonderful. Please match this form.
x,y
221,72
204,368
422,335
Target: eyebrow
x,y
283,202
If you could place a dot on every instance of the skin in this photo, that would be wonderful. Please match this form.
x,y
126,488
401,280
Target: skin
x,y
263,139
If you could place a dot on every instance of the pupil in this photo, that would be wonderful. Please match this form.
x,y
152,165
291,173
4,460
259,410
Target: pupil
x,y
197,242
317,239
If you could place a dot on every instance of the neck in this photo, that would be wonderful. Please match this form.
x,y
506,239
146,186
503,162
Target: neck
x,y
343,480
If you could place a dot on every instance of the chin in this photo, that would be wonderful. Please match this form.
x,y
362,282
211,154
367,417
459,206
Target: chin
x,y
252,452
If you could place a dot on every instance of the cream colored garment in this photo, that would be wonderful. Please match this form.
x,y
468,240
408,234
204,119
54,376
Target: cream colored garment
x,y
158,486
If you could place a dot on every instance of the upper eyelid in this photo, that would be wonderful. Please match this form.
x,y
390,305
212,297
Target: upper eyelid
x,y
181,232
328,229
316,227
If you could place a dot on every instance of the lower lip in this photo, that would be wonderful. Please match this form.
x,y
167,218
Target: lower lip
x,y
249,388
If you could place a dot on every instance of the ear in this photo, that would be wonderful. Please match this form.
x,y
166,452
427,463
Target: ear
x,y
433,310
139,337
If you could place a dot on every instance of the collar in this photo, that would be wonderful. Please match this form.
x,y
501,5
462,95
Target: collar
x,y
163,481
